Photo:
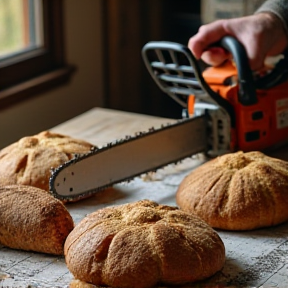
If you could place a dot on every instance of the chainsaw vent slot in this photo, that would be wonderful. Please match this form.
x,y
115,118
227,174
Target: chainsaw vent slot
x,y
252,136
257,115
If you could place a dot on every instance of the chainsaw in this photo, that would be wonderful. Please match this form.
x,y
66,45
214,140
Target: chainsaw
x,y
225,109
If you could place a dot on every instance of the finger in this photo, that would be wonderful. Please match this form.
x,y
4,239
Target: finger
x,y
256,52
207,35
215,56
256,61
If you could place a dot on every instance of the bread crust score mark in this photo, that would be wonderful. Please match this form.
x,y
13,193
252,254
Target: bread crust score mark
x,y
141,244
237,191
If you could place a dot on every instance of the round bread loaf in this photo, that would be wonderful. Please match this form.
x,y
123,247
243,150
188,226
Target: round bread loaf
x,y
237,191
29,160
33,220
141,244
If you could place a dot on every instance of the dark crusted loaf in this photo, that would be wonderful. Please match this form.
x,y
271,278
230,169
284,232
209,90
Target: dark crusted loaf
x,y
33,220
141,244
29,160
237,191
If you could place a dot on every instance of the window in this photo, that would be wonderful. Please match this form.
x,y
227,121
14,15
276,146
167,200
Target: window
x,y
21,26
31,48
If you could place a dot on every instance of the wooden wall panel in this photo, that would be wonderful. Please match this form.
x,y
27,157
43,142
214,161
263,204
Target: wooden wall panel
x,y
129,25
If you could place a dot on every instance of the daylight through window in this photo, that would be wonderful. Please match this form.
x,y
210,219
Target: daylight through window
x,y
21,26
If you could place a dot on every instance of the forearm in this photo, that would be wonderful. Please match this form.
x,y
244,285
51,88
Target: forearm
x,y
277,7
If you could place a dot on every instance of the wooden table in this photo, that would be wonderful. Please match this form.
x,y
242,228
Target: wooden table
x,y
253,259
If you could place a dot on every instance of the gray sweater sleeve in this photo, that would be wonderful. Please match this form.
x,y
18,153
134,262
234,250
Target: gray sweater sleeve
x,y
279,8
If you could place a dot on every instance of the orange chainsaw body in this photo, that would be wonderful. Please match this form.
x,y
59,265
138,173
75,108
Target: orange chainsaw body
x,y
257,126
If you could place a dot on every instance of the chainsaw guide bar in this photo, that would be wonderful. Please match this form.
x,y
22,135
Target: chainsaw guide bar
x,y
130,157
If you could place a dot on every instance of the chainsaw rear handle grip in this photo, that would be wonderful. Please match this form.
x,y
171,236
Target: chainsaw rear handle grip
x,y
247,90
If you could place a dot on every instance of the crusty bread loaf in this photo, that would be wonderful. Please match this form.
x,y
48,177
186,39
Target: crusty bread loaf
x,y
33,220
141,244
75,283
29,160
237,191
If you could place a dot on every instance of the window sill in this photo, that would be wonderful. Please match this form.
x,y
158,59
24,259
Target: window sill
x,y
33,87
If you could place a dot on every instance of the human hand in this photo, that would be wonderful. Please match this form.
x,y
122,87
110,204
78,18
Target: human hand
x,y
261,35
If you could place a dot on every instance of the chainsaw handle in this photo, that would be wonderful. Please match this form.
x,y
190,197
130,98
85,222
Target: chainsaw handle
x,y
168,78
247,91
247,83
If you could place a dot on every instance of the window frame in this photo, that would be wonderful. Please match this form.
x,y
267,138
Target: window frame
x,y
33,72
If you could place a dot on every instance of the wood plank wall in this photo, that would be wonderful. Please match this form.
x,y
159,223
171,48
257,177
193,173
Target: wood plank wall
x,y
129,25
